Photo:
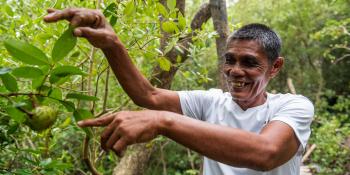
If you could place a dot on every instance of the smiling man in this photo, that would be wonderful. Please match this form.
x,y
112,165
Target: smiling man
x,y
246,131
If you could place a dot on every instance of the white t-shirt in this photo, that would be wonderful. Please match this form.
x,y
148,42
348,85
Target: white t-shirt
x,y
216,107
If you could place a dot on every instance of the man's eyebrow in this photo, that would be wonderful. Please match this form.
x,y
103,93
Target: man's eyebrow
x,y
250,56
229,55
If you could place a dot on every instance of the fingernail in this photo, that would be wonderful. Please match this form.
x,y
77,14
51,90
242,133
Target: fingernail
x,y
50,14
77,32
80,123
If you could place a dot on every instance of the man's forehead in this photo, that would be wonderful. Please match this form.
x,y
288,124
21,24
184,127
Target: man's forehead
x,y
248,45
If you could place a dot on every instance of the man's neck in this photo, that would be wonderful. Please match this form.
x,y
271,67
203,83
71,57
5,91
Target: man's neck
x,y
257,101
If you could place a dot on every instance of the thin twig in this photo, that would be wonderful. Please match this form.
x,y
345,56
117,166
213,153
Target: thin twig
x,y
162,157
341,58
84,61
69,89
308,152
190,158
91,66
96,86
144,45
106,91
291,86
86,158
18,94
47,141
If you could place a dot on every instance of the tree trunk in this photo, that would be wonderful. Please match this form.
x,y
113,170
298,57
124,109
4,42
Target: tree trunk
x,y
219,16
136,159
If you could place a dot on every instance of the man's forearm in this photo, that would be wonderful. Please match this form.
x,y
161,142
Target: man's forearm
x,y
228,145
133,82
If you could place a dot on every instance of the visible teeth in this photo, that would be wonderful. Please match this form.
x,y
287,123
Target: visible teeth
x,y
238,84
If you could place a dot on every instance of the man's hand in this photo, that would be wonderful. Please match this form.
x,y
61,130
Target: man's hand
x,y
90,24
125,128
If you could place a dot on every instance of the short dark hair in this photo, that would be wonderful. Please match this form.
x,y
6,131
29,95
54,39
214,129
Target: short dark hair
x,y
265,36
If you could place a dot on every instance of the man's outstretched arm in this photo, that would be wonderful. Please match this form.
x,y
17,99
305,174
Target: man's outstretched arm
x,y
92,25
270,148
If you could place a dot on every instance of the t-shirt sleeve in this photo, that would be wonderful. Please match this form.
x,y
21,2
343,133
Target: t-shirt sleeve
x,y
298,113
194,103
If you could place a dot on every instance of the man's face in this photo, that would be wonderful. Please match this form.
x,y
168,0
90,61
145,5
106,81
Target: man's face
x,y
246,69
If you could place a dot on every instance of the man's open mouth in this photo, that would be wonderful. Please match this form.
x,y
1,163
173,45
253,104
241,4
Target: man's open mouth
x,y
237,84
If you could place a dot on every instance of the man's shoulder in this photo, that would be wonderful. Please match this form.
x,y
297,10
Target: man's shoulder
x,y
208,96
287,99
280,97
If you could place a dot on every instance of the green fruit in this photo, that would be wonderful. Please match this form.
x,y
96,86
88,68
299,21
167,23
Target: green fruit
x,y
43,117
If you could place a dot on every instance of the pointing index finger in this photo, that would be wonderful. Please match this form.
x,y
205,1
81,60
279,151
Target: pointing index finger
x,y
101,121
56,15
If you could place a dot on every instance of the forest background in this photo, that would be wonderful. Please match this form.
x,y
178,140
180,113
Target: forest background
x,y
79,83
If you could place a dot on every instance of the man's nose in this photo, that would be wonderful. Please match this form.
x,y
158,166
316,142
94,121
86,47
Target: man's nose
x,y
235,70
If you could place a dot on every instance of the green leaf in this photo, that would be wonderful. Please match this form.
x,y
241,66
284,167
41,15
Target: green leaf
x,y
27,72
55,93
4,70
169,26
164,63
171,4
12,128
178,59
26,52
8,10
16,114
181,21
68,105
113,20
75,54
171,44
82,97
38,82
110,9
82,114
162,10
10,82
57,165
64,45
129,8
60,80
64,71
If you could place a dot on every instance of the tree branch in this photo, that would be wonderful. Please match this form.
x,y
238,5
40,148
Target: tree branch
x,y
341,58
163,78
219,16
86,158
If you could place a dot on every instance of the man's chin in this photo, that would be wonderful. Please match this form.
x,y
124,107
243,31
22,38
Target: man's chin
x,y
239,96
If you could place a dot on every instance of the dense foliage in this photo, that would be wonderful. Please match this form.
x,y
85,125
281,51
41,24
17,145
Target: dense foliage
x,y
78,83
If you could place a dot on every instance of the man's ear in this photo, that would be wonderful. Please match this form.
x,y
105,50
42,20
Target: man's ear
x,y
276,66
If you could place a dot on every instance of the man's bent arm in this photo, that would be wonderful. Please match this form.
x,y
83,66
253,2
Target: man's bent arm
x,y
138,88
275,145
92,25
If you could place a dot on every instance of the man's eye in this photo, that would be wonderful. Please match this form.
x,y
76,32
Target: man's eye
x,y
250,63
230,61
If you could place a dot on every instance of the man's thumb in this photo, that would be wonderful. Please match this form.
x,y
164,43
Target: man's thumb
x,y
84,31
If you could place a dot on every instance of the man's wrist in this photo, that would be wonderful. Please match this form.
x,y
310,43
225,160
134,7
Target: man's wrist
x,y
112,45
165,122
